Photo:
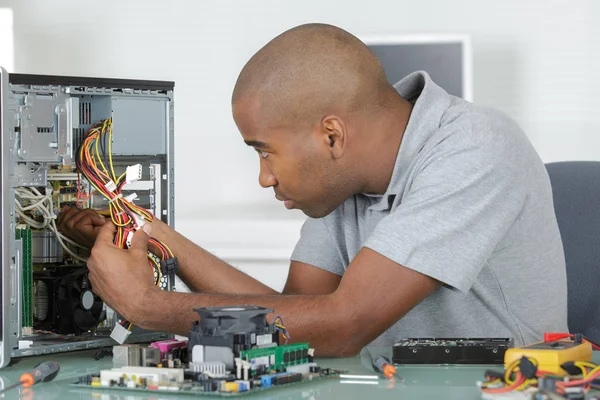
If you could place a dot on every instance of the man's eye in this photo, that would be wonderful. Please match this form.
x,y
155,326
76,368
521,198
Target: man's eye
x,y
263,154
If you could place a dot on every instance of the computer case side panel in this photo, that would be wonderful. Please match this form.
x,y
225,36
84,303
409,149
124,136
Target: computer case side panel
x,y
9,286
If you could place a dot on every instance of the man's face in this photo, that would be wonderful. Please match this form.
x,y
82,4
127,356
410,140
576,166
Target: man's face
x,y
295,162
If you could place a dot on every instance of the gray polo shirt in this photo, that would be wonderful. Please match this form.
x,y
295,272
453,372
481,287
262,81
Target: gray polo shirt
x,y
469,204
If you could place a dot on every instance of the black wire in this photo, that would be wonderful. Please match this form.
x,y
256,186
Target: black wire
x,y
103,146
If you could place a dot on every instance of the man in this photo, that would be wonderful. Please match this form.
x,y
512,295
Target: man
x,y
428,216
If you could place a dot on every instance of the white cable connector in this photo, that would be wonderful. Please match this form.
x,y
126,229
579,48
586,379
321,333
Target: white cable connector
x,y
130,197
129,239
134,173
139,221
119,333
111,186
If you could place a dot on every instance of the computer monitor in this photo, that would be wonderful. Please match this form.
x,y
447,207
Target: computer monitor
x,y
446,58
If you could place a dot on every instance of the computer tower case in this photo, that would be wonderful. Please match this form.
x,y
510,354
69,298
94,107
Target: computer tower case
x,y
47,303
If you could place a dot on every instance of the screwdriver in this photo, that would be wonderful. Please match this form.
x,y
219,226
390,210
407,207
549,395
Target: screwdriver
x,y
382,364
43,372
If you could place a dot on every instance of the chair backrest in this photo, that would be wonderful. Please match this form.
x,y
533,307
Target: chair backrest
x,y
576,192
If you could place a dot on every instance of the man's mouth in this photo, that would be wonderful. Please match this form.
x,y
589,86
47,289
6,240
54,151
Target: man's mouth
x,y
289,204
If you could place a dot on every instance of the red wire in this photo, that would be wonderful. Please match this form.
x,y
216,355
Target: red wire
x,y
518,382
594,345
578,381
554,336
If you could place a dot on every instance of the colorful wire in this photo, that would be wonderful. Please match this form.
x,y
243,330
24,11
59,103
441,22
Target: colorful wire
x,y
97,167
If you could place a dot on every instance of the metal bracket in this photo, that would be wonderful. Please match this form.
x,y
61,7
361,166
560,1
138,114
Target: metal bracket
x,y
67,121
47,124
24,175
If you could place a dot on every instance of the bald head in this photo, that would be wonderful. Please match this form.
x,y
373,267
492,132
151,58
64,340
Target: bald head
x,y
310,71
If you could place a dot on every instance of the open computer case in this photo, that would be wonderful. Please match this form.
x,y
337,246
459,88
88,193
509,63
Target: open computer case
x,y
47,302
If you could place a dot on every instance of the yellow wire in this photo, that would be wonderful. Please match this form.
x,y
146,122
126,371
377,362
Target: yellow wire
x,y
509,371
168,249
110,147
159,274
513,367
99,156
489,383
582,365
112,217
593,371
121,177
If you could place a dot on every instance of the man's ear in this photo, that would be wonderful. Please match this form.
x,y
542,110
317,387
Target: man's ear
x,y
335,135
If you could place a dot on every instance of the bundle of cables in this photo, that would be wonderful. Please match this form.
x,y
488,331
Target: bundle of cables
x,y
524,374
44,205
96,164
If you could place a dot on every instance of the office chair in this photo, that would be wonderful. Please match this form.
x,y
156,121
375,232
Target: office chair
x,y
576,192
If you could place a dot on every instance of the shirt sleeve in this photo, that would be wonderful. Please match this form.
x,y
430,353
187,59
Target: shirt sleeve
x,y
317,248
460,205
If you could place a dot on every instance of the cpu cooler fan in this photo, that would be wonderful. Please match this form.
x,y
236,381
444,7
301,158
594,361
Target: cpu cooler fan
x,y
77,308
227,331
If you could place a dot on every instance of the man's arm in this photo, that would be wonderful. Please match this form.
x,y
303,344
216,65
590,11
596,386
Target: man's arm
x,y
206,273
373,294
307,279
203,272
199,269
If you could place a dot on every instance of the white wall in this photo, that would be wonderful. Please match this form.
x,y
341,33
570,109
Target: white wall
x,y
6,39
538,60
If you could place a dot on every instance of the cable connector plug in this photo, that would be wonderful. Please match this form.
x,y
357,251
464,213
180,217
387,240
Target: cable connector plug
x,y
139,221
491,375
129,239
169,266
554,336
570,368
527,368
130,197
110,186
133,173
119,333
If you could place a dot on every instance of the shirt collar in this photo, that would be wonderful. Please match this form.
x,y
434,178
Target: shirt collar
x,y
430,102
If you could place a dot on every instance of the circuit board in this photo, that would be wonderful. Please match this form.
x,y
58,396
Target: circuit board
x,y
230,351
196,389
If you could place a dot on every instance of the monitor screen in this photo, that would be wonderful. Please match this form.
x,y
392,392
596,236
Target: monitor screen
x,y
446,59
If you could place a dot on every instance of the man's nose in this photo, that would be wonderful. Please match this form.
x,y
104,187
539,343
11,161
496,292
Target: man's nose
x,y
265,177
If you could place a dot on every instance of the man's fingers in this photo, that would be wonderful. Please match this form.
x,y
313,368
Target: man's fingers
x,y
61,215
106,233
97,219
74,220
65,215
105,212
140,238
85,217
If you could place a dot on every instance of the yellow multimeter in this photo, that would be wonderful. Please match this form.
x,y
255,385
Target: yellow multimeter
x,y
550,355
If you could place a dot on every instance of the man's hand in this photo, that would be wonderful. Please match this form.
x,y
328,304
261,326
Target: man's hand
x,y
122,278
82,226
